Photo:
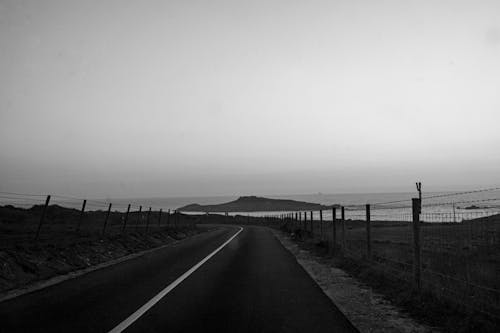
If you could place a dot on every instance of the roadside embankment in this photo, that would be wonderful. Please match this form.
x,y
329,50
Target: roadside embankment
x,y
26,263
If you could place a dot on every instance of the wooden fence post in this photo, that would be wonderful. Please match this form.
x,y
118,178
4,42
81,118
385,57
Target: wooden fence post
x,y
106,220
321,223
42,217
334,228
81,216
168,217
368,233
343,228
138,218
147,219
126,218
305,222
417,267
312,225
159,218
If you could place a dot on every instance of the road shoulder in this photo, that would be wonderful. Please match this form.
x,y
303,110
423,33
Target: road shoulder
x,y
367,310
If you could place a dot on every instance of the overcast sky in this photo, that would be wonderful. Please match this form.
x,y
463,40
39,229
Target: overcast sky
x,y
176,98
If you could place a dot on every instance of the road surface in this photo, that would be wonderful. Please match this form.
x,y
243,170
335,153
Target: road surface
x,y
252,284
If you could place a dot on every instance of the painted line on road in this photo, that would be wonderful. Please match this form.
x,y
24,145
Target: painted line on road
x,y
143,309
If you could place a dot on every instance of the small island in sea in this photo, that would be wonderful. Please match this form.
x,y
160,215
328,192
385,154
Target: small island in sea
x,y
255,204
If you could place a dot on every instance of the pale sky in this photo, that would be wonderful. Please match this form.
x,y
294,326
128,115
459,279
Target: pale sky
x,y
179,98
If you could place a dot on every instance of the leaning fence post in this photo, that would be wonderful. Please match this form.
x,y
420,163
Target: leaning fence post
x,y
368,233
334,228
126,218
81,215
343,228
42,217
106,220
417,267
147,219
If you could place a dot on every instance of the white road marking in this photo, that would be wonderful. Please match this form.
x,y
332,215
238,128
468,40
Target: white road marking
x,y
137,314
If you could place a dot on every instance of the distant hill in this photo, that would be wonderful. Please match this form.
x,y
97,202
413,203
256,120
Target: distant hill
x,y
254,204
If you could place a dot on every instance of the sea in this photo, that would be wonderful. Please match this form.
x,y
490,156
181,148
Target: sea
x,y
437,206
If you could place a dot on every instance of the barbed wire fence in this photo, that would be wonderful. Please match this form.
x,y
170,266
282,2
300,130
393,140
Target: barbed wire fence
x,y
44,217
454,254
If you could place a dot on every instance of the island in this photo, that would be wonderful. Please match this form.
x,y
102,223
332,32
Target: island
x,y
255,204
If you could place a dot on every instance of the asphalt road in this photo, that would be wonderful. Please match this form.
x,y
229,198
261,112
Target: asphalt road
x,y
252,284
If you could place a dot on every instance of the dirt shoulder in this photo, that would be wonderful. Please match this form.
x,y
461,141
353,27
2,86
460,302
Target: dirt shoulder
x,y
368,310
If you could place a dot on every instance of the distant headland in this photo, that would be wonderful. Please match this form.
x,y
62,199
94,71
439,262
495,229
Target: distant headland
x,y
255,204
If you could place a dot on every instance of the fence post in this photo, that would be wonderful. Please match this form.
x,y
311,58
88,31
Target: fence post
x,y
305,222
343,228
334,228
159,218
312,225
106,220
321,223
42,217
168,217
147,219
81,215
417,267
368,233
126,218
138,218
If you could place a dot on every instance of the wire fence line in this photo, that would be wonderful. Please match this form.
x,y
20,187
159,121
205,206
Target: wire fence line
x,y
33,216
455,256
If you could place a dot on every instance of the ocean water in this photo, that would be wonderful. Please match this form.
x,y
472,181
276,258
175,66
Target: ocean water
x,y
437,206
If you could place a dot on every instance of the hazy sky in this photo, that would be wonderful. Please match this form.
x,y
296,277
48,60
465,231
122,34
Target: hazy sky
x,y
174,98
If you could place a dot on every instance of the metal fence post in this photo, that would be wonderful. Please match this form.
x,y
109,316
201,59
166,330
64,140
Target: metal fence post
x,y
42,217
106,220
126,218
368,233
417,267
81,215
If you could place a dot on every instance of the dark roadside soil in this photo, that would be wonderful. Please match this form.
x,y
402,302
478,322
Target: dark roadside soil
x,y
425,307
69,242
29,262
